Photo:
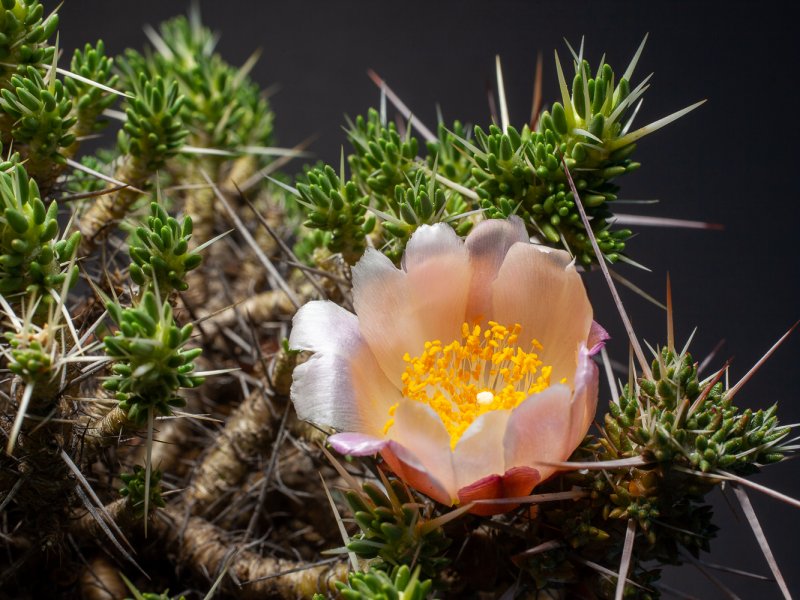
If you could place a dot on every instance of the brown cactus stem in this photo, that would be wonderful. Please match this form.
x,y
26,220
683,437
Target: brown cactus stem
x,y
264,307
105,430
241,170
248,431
86,528
204,549
97,222
100,580
200,201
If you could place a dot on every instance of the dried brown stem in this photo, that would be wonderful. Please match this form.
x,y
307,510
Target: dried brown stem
x,y
100,580
105,431
263,307
247,433
96,223
204,549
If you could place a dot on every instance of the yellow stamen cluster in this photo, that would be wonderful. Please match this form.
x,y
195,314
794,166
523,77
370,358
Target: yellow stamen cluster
x,y
481,372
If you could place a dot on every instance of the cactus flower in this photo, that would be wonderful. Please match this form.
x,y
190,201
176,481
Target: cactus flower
x,y
468,369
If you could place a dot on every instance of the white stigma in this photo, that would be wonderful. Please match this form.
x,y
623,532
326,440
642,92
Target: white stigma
x,y
486,397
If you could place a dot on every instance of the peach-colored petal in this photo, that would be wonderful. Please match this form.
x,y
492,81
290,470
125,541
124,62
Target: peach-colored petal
x,y
540,289
479,451
420,430
410,469
398,311
538,431
515,483
402,461
341,385
488,244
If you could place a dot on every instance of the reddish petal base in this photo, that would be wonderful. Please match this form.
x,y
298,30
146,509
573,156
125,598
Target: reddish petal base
x,y
516,482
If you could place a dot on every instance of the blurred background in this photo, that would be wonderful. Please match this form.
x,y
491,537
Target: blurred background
x,y
732,161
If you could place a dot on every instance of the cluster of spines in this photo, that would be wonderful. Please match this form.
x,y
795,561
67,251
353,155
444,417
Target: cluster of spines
x,y
150,362
685,429
503,171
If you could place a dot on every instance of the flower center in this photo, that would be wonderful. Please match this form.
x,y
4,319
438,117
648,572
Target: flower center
x,y
483,371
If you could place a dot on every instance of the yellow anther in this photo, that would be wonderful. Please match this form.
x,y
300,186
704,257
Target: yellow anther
x,y
483,371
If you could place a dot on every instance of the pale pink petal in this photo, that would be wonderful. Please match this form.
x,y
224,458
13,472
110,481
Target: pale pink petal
x,y
421,431
479,451
356,444
597,338
584,396
398,311
515,483
341,385
540,289
488,244
538,431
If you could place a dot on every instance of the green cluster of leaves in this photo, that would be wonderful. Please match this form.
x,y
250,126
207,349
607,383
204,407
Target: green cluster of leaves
x,y
400,584
402,190
223,108
503,171
133,488
150,362
678,419
89,101
137,595
31,255
394,530
337,208
523,171
154,130
24,31
160,252
41,112
683,427
30,359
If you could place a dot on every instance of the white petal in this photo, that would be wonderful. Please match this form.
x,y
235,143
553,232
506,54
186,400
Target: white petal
x,y
540,289
420,430
323,326
488,244
341,385
428,241
479,452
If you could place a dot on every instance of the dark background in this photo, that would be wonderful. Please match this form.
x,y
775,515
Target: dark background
x,y
733,161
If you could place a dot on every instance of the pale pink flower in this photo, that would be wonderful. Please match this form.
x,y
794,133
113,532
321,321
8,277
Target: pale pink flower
x,y
492,434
